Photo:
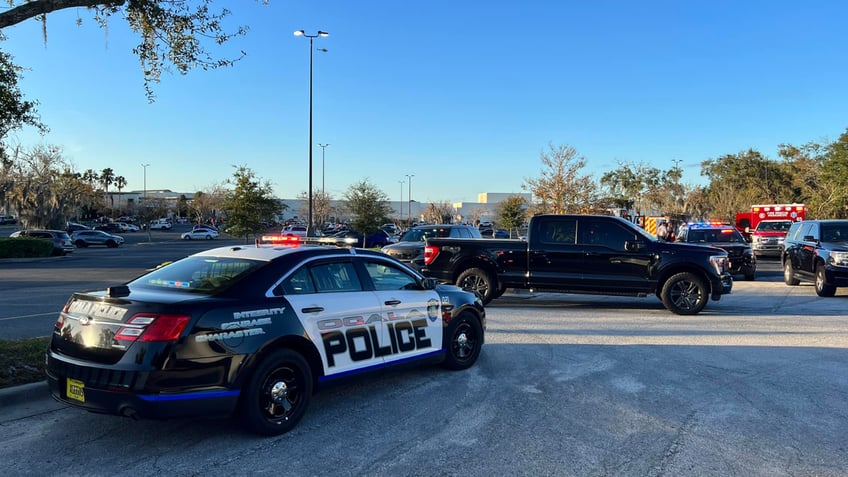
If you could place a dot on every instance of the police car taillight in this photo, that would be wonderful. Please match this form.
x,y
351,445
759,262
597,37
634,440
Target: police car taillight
x,y
150,327
430,253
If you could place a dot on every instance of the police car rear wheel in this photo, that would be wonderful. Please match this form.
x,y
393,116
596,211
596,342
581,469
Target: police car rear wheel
x,y
466,341
278,393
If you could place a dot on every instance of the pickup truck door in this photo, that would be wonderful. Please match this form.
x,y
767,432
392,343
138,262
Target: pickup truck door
x,y
554,258
607,264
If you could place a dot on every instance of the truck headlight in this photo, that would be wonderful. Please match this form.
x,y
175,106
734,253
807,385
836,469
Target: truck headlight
x,y
720,263
839,259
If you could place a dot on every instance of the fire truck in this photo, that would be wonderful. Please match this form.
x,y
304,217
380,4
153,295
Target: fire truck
x,y
766,225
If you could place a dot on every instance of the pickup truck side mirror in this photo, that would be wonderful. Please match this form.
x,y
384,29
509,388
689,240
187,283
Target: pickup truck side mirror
x,y
634,245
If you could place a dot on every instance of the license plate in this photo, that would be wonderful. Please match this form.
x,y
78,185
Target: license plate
x,y
75,390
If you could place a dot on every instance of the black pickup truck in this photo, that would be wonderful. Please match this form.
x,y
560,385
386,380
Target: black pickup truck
x,y
584,254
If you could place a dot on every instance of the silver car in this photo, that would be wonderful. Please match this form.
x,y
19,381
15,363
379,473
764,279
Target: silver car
x,y
84,238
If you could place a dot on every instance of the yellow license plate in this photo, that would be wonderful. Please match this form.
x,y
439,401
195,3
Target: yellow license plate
x,y
75,390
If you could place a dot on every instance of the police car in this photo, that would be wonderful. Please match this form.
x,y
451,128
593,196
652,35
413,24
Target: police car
x,y
254,330
726,237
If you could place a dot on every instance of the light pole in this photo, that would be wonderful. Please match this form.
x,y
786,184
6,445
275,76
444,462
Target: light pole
x,y
323,148
143,215
409,195
401,200
309,231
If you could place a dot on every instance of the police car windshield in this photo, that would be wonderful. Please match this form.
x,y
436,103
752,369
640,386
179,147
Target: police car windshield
x,y
198,274
715,236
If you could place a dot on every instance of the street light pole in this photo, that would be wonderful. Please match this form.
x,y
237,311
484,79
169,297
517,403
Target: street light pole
x,y
409,195
323,148
143,217
309,225
401,200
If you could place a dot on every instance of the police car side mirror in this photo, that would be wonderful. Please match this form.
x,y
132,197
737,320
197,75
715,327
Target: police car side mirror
x,y
429,283
809,238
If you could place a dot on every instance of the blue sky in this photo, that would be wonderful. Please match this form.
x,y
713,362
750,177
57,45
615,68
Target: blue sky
x,y
464,95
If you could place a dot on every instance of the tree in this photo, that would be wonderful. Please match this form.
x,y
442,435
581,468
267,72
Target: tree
x,y
107,178
561,188
15,112
512,213
205,203
249,205
439,213
369,207
172,32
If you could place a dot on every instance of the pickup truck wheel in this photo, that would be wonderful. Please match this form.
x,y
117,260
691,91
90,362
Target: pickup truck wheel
x,y
466,341
789,275
477,281
822,288
277,394
497,294
685,294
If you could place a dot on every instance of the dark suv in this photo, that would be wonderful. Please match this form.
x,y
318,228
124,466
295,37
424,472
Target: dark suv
x,y
726,237
410,248
817,251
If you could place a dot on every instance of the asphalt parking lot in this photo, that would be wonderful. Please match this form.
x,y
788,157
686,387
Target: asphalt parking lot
x,y
566,385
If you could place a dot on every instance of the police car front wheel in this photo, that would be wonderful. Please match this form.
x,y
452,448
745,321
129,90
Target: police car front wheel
x,y
277,394
466,341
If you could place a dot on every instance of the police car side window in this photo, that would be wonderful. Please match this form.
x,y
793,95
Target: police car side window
x,y
387,277
335,277
299,283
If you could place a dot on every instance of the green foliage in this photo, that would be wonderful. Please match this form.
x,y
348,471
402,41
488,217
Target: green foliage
x,y
15,112
512,213
562,188
22,361
248,204
368,206
25,247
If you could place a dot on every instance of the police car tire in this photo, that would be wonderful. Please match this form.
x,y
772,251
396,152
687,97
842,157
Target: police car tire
x,y
479,282
678,291
288,375
465,336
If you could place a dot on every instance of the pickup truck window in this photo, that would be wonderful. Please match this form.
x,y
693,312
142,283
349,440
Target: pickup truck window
x,y
559,232
606,233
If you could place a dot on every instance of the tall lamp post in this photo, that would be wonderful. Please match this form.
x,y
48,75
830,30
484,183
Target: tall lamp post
x,y
323,148
409,196
309,231
401,200
144,167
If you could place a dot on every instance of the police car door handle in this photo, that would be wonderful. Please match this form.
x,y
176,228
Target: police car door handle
x,y
392,302
312,309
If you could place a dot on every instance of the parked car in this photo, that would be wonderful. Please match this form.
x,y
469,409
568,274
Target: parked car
x,y
109,228
200,234
127,227
85,238
354,239
161,224
817,251
62,244
253,331
725,237
73,227
7,220
298,230
409,249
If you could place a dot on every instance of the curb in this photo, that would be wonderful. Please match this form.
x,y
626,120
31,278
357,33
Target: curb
x,y
24,393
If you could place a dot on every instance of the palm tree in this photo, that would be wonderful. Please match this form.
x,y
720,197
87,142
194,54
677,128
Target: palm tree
x,y
107,178
120,183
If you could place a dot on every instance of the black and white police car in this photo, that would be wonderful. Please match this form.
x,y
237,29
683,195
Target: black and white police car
x,y
254,330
